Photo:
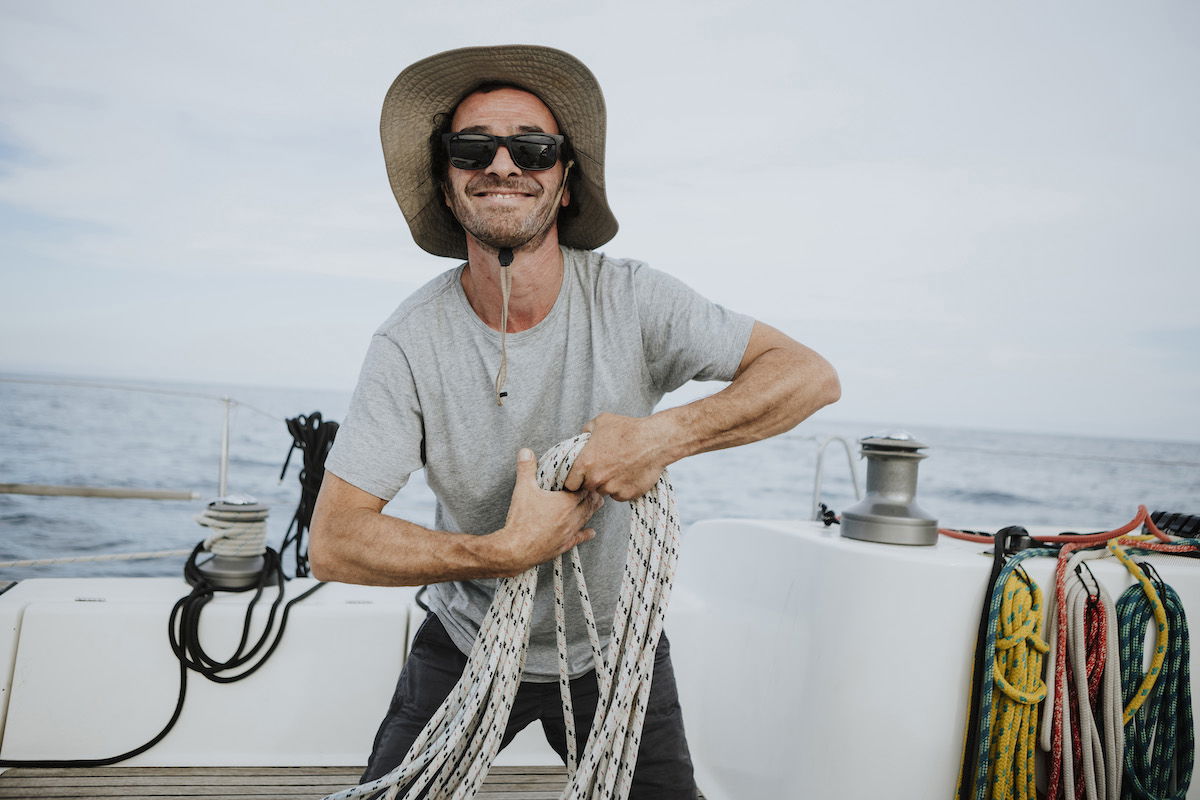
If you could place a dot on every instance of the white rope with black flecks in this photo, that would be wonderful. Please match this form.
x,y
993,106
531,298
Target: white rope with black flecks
x,y
456,749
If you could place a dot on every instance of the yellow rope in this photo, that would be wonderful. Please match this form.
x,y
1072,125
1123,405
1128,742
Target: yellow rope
x,y
1018,675
1160,616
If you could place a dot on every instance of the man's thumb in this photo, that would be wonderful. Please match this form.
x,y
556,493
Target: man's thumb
x,y
525,464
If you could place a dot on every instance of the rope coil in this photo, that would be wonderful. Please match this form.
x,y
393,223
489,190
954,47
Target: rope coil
x,y
1161,745
238,532
1083,684
452,755
1018,676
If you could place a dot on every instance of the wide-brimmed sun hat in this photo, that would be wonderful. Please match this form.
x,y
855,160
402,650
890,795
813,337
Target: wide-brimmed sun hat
x,y
436,84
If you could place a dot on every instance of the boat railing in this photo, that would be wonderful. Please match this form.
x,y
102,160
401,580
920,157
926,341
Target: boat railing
x,y
819,471
124,493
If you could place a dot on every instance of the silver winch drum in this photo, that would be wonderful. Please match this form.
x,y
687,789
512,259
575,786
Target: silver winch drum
x,y
235,572
889,513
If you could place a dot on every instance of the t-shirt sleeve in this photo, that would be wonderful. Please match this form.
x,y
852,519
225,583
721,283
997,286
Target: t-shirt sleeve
x,y
685,336
381,441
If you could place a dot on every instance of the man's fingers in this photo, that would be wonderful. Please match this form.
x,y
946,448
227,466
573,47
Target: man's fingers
x,y
592,500
574,481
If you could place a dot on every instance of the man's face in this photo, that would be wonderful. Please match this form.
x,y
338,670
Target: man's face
x,y
503,205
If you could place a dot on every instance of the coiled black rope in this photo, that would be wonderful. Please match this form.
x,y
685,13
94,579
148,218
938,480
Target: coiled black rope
x,y
184,626
313,436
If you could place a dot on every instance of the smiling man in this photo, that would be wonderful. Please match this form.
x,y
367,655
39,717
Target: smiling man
x,y
496,156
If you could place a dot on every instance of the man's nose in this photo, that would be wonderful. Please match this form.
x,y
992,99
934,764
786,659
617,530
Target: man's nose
x,y
502,164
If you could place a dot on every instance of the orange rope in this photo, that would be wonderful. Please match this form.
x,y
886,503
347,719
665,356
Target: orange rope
x,y
1142,518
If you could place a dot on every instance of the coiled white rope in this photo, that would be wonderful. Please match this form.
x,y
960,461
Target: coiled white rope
x,y
1102,741
238,533
453,753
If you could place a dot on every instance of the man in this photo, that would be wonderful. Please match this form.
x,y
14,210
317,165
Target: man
x,y
496,155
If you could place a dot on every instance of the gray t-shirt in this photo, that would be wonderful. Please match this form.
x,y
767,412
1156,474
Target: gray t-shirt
x,y
619,336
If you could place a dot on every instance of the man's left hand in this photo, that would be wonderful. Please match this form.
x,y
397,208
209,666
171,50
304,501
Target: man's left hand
x,y
623,458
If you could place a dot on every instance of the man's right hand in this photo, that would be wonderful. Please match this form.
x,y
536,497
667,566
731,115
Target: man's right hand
x,y
540,524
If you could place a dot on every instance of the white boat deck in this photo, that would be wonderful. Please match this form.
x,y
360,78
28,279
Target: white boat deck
x,y
800,655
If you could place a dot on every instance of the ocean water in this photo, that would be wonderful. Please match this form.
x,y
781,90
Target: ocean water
x,y
77,431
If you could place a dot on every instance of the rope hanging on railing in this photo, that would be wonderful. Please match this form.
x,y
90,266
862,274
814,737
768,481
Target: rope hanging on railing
x,y
1018,676
1085,713
980,765
1081,722
453,753
1160,741
313,436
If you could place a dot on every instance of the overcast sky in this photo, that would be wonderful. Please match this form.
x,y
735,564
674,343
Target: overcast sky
x,y
984,214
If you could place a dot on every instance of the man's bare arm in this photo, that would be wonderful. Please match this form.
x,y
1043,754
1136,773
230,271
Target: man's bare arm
x,y
352,542
779,383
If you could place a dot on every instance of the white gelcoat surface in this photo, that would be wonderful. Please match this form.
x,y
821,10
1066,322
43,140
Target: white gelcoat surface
x,y
86,671
810,665
95,676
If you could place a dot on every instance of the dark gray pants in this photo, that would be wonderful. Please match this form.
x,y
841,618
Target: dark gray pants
x,y
664,767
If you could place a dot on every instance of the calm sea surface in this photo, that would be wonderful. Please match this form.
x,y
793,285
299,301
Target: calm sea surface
x,y
94,436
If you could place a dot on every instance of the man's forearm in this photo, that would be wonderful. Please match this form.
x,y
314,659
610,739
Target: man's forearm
x,y
352,542
773,394
365,547
779,383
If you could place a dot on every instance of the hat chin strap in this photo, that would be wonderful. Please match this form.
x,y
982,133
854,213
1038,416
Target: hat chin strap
x,y
505,256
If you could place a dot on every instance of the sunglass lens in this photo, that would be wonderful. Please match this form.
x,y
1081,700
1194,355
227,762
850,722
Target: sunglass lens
x,y
533,151
471,151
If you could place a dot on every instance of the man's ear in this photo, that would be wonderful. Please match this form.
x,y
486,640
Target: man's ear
x,y
566,194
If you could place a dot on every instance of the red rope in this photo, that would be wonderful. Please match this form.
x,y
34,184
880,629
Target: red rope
x,y
1054,781
1141,518
1095,625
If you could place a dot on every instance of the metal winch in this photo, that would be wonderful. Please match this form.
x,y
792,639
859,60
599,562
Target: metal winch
x,y
238,546
889,513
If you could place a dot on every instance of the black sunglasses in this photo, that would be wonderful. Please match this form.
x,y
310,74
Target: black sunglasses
x,y
529,151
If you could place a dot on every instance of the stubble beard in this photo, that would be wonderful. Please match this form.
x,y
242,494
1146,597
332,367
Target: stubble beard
x,y
503,227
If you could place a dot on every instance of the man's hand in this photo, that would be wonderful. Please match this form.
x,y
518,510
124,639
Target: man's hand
x,y
623,458
540,524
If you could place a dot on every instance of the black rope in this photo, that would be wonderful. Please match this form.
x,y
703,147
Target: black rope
x,y
184,626
314,437
104,762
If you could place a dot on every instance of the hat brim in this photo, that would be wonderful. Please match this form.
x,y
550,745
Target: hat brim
x,y
436,84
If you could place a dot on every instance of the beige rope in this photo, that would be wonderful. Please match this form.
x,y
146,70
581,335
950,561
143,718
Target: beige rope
x,y
506,291
453,753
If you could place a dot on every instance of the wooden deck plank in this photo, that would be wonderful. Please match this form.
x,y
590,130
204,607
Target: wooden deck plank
x,y
348,778
484,794
243,783
249,783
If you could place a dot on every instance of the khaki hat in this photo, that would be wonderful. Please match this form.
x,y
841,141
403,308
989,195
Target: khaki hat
x,y
437,84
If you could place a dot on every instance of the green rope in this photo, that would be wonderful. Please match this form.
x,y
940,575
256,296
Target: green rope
x,y
1159,739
